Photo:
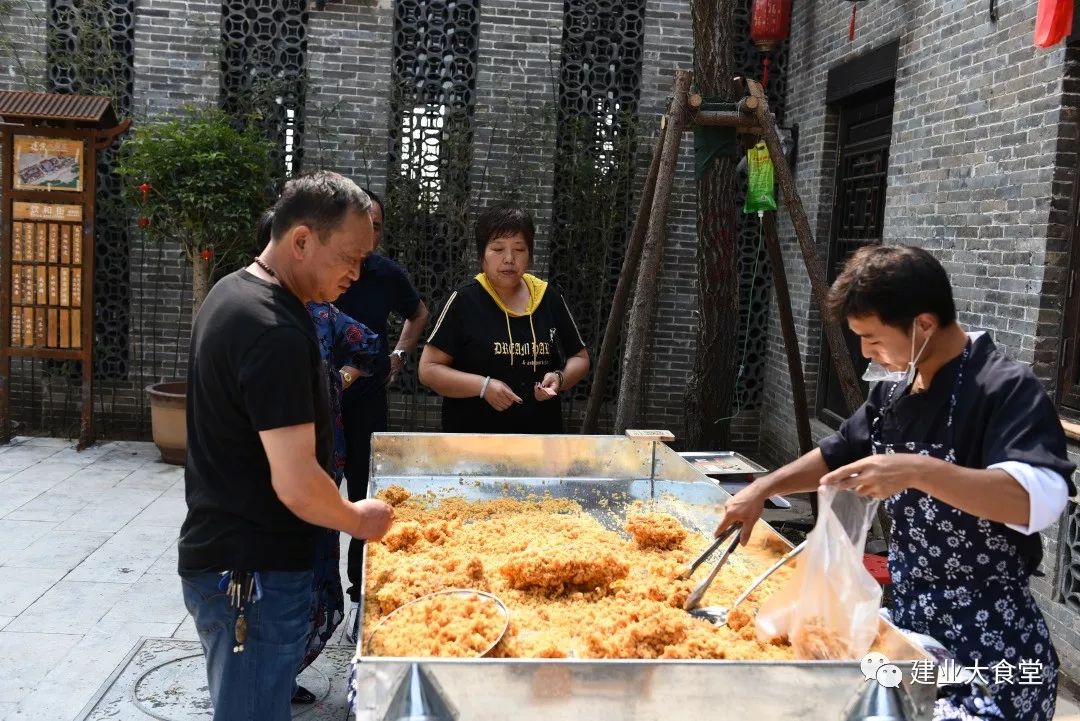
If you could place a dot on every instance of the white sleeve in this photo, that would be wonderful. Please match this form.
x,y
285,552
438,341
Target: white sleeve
x,y
1047,494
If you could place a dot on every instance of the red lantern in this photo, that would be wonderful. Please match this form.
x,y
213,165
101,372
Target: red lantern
x,y
770,25
1053,21
144,221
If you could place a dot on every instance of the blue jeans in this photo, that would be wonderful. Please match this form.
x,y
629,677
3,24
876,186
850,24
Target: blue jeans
x,y
256,685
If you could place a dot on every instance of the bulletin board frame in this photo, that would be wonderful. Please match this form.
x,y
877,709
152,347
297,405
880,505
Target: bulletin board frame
x,y
44,217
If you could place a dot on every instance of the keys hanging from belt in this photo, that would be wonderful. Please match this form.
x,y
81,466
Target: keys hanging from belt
x,y
241,588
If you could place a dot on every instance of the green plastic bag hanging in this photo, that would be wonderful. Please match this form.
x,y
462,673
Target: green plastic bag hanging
x,y
760,195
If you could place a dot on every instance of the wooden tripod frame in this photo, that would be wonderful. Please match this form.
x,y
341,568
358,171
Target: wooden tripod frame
x,y
644,252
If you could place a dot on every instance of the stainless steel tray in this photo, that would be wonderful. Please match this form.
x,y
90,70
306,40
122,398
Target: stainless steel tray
x,y
723,463
605,474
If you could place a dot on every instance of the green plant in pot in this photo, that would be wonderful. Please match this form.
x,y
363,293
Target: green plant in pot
x,y
199,182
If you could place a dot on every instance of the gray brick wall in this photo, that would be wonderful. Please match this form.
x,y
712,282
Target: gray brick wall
x,y
22,62
974,183
176,64
668,47
176,55
1064,621
980,173
348,110
516,86
347,116
518,65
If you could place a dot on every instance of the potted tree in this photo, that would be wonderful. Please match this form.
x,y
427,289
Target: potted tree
x,y
198,181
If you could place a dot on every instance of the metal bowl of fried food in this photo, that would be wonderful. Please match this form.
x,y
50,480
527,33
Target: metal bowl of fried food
x,y
453,623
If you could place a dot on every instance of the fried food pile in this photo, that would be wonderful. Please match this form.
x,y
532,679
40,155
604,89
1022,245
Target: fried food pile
x,y
573,587
655,530
554,568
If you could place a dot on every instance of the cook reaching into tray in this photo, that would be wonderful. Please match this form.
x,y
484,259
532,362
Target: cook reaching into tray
x,y
504,344
259,446
965,448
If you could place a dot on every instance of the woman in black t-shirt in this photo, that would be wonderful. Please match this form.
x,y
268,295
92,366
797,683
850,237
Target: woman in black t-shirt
x,y
504,344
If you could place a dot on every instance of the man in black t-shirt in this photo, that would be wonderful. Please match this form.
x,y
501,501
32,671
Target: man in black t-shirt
x,y
383,288
259,446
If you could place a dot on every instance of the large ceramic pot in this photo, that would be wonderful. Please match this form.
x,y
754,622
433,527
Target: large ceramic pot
x,y
168,420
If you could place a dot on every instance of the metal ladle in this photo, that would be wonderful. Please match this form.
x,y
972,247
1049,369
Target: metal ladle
x,y
719,614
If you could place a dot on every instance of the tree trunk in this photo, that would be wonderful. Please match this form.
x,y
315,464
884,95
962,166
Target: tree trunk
x,y
627,275
815,269
639,324
711,387
200,283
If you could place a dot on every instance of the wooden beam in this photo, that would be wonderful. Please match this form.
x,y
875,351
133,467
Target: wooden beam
x,y
723,118
645,434
787,329
838,349
6,204
639,324
86,422
105,138
748,105
627,275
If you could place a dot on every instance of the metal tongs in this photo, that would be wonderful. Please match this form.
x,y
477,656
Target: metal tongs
x,y
718,614
698,593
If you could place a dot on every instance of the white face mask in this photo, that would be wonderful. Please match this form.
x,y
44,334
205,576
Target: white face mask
x,y
875,372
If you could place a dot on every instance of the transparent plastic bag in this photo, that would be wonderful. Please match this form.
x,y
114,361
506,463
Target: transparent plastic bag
x,y
829,607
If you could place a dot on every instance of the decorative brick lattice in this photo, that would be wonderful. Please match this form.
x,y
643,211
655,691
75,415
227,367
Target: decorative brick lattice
x,y
1069,558
264,67
91,51
433,82
598,94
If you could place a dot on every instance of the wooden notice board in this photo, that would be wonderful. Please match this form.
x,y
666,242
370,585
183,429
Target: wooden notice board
x,y
47,236
46,289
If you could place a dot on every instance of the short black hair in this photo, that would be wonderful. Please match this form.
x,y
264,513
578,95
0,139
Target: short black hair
x,y
501,221
894,282
375,198
319,200
264,227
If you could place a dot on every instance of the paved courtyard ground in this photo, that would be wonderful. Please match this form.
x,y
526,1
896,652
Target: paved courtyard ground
x,y
88,574
88,570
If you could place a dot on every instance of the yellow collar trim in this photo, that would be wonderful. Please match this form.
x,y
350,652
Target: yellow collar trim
x,y
536,288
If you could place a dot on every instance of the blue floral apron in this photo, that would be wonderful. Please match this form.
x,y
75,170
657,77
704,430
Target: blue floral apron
x,y
962,580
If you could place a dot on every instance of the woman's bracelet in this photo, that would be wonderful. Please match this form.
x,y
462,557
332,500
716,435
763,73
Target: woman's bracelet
x,y
483,388
562,380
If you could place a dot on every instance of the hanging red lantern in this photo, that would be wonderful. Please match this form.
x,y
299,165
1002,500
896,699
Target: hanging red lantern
x,y
770,25
144,221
